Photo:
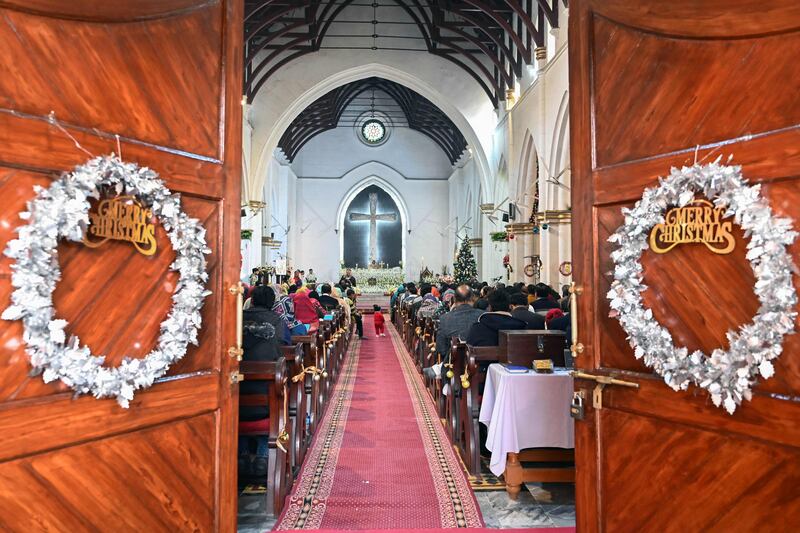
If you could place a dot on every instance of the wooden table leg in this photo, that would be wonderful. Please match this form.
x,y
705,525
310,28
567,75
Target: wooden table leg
x,y
513,475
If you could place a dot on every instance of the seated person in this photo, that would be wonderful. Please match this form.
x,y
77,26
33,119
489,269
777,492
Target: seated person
x,y
428,305
264,331
543,300
284,307
411,295
457,322
326,300
307,310
561,323
486,331
519,309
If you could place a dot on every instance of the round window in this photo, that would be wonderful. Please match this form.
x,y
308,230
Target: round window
x,y
373,131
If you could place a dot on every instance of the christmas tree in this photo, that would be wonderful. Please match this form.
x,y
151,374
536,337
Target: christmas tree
x,y
465,270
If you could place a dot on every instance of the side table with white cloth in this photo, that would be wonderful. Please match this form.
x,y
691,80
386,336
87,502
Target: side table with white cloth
x,y
528,410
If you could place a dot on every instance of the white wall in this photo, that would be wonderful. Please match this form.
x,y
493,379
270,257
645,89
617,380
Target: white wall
x,y
536,128
300,82
335,152
319,202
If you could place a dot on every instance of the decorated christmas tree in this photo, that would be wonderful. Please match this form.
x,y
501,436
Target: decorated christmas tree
x,y
465,270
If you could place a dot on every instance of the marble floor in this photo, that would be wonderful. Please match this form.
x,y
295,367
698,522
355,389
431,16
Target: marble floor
x,y
252,514
542,505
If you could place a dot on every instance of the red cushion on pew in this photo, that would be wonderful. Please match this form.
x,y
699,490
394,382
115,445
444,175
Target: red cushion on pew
x,y
254,426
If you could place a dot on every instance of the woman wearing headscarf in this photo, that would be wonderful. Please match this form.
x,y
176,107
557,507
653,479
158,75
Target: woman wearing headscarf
x,y
284,307
430,304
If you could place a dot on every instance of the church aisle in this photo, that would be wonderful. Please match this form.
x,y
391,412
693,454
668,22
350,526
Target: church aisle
x,y
381,459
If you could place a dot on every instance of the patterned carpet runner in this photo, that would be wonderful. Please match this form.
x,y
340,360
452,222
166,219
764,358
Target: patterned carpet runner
x,y
381,458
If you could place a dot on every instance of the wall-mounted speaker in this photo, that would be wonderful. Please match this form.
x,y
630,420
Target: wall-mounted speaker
x,y
505,217
512,211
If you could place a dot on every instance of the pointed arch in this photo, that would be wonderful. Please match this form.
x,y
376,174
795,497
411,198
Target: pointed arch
x,y
371,176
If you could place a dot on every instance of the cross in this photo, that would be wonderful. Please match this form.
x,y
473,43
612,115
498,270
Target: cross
x,y
373,218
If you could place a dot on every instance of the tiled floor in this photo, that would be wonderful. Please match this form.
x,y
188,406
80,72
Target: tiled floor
x,y
252,514
542,505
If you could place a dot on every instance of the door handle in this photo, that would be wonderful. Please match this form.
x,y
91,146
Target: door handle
x,y
236,351
600,383
574,291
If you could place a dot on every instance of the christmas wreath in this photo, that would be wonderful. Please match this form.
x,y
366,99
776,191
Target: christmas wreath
x,y
728,375
61,211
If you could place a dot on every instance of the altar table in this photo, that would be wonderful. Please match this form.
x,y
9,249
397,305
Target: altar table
x,y
525,411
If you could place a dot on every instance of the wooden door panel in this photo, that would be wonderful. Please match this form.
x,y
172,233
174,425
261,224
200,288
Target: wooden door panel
x,y
30,142
655,85
164,75
738,77
613,345
751,480
128,63
92,472
62,421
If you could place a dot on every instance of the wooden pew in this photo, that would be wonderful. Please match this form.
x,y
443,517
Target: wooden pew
x,y
477,358
311,385
275,396
295,367
322,364
455,429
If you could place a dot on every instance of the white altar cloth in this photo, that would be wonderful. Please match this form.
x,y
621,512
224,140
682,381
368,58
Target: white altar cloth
x,y
525,411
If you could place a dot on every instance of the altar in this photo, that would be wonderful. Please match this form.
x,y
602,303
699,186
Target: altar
x,y
377,280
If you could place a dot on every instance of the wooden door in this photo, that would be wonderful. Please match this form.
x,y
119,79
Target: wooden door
x,y
649,82
165,76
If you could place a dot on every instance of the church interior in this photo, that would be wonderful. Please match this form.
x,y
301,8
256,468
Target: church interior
x,y
399,265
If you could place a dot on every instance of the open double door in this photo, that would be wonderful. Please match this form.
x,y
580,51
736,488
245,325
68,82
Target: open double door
x,y
650,81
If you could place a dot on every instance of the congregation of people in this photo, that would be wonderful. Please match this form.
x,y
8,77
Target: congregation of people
x,y
273,313
477,312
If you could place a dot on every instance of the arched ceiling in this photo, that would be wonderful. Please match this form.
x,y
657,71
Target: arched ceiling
x,y
490,39
343,106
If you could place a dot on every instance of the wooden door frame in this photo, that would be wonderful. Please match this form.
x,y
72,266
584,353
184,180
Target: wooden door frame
x,y
233,109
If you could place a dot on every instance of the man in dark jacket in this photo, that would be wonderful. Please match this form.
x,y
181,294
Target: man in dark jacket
x,y
543,300
486,331
519,309
457,322
326,300
563,323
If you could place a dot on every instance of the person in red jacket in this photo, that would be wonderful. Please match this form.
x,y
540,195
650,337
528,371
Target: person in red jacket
x,y
379,321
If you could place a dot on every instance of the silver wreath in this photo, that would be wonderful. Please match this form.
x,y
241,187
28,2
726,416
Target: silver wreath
x,y
61,211
728,375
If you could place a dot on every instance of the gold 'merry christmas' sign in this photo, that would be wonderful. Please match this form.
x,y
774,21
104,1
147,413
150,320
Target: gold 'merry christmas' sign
x,y
697,222
122,218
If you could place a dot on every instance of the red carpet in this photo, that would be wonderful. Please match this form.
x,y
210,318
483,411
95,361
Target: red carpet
x,y
381,459
465,530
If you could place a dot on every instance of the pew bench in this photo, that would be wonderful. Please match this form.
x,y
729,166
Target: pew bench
x,y
274,395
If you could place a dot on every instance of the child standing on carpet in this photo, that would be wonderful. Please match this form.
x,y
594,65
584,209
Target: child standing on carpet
x,y
379,321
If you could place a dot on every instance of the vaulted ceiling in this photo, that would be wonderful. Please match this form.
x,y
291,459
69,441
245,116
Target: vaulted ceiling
x,y
490,39
346,105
